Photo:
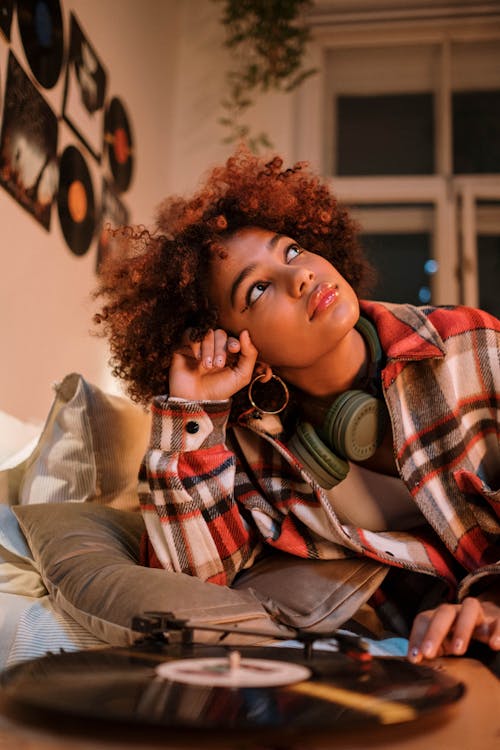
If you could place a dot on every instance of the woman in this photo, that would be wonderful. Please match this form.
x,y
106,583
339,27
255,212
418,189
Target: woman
x,y
380,436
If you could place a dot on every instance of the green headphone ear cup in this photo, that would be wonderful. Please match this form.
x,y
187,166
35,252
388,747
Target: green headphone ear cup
x,y
355,425
311,450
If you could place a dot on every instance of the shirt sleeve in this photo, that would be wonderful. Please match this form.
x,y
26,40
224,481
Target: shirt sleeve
x,y
192,518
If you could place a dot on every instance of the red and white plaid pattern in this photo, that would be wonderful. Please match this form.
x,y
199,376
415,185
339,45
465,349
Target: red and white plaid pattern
x,y
205,517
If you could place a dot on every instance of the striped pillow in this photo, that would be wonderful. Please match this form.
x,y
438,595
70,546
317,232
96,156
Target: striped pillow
x,y
90,449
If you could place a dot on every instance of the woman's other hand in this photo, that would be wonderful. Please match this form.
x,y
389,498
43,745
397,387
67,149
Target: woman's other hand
x,y
212,369
449,628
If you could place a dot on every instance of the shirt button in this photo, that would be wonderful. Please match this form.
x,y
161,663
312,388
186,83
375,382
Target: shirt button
x,y
192,427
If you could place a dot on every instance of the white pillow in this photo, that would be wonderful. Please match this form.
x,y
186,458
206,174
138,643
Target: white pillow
x,y
17,442
90,449
14,436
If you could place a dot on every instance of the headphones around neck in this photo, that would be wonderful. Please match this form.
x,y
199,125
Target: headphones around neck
x,y
353,428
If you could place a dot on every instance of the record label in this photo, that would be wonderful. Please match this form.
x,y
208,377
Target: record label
x,y
77,201
234,672
121,146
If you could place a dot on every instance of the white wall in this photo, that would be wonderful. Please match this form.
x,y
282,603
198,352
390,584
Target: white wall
x,y
202,64
166,60
45,312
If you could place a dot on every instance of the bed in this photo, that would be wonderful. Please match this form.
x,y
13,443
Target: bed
x,y
70,531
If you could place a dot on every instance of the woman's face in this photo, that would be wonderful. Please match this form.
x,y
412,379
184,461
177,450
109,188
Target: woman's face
x,y
295,305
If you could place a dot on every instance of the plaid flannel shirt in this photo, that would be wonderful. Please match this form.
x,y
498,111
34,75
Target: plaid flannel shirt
x,y
207,517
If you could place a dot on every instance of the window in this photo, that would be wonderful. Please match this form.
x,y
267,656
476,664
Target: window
x,y
404,266
478,217
476,131
385,134
408,127
489,273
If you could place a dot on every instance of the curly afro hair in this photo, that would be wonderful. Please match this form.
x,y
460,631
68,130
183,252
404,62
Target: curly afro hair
x,y
158,287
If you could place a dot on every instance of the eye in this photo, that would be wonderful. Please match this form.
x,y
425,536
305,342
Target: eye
x,y
256,291
292,251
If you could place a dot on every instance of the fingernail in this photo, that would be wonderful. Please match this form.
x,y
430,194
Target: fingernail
x,y
414,654
427,648
218,361
458,646
208,362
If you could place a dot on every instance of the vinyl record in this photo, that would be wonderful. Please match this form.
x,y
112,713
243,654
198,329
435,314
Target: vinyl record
x,y
119,145
75,201
114,214
6,8
200,688
41,30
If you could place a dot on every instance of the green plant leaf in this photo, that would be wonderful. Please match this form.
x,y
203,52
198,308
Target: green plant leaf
x,y
267,40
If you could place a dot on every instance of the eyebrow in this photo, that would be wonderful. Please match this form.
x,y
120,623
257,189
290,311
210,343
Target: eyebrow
x,y
270,245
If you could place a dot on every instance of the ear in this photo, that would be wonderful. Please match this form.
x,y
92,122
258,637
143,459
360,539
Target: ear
x,y
262,368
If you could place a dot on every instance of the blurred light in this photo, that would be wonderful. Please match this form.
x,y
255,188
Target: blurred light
x,y
431,266
424,294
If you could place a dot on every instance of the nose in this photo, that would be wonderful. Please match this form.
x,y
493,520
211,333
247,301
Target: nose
x,y
299,280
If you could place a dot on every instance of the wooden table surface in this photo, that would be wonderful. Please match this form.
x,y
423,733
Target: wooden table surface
x,y
472,723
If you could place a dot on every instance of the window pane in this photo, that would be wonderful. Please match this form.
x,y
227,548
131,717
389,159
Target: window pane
x,y
489,273
391,134
476,132
403,265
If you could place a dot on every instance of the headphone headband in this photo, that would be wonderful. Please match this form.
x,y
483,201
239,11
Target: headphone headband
x,y
370,336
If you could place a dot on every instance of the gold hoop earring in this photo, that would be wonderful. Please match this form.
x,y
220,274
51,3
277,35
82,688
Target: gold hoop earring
x,y
268,411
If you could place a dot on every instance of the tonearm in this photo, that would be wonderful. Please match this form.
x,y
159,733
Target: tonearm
x,y
157,627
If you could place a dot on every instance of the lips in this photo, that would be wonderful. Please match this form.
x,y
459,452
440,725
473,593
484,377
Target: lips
x,y
321,298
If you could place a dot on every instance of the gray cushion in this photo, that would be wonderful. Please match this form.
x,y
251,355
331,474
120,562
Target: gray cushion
x,y
88,559
313,594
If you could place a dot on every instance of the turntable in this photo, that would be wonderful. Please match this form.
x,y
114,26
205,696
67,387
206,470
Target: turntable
x,y
167,680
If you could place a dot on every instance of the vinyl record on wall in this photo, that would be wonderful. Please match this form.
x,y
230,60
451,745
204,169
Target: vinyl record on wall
x,y
114,214
75,201
119,144
6,8
41,30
